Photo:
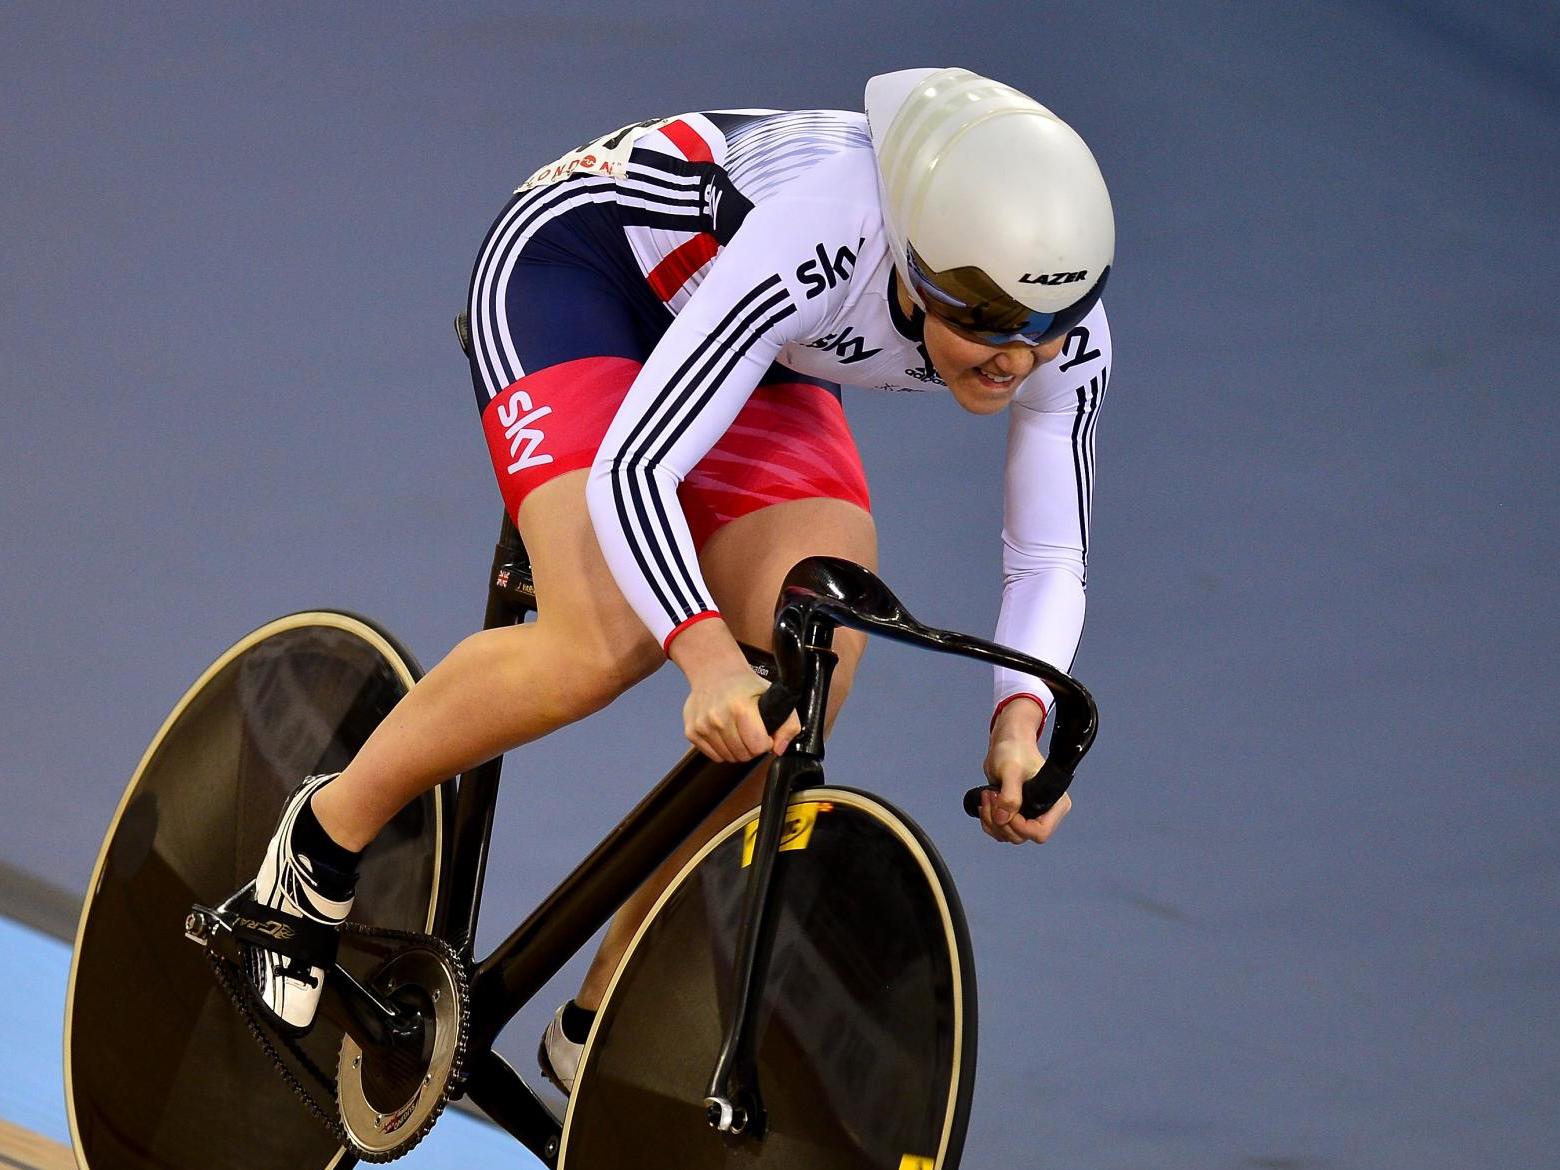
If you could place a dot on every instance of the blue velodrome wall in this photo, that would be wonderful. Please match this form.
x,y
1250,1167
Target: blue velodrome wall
x,y
1305,912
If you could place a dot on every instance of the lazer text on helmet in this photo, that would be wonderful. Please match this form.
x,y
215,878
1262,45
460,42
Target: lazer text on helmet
x,y
1052,277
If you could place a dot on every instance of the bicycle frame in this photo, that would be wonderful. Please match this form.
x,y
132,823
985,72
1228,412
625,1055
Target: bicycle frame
x,y
586,899
565,921
819,594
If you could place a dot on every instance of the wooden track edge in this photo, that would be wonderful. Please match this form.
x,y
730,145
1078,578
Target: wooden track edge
x,y
21,1149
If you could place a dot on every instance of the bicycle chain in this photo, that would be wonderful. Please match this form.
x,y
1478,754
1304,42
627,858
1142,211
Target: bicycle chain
x,y
237,987
227,976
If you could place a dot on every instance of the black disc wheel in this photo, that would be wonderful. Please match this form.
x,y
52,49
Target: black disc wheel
x,y
160,1071
866,1042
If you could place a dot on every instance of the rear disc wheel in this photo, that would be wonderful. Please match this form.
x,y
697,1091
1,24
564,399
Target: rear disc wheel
x,y
160,1070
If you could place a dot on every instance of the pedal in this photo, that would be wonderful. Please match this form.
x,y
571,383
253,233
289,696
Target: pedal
x,y
199,924
211,926
311,944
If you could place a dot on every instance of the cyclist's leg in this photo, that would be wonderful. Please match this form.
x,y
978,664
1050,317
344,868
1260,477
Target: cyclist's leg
x,y
746,561
571,334
504,687
787,484
496,690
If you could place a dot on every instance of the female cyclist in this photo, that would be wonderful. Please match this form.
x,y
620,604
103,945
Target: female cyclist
x,y
660,320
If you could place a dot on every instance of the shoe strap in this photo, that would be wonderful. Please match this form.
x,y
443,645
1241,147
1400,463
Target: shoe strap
x,y
310,943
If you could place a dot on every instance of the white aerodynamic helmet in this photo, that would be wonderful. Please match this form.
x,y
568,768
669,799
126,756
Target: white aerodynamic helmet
x,y
996,210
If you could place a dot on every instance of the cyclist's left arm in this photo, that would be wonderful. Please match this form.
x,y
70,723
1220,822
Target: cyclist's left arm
x,y
1048,490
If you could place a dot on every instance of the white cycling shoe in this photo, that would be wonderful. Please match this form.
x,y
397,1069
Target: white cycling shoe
x,y
558,1055
288,991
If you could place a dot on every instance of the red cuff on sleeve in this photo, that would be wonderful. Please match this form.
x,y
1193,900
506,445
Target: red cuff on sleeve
x,y
666,645
1045,712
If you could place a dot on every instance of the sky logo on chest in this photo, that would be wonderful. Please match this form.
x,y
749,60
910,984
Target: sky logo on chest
x,y
823,273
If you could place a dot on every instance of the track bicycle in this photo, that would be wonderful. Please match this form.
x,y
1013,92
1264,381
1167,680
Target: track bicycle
x,y
802,994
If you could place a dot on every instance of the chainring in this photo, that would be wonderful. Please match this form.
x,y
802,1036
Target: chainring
x,y
389,1098
438,969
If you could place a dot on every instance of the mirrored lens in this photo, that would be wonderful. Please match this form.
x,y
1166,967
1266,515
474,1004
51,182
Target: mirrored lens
x,y
972,302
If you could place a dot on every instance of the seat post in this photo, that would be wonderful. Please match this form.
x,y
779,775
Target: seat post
x,y
511,596
511,590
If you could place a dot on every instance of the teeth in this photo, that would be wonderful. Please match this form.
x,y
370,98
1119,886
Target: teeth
x,y
1000,379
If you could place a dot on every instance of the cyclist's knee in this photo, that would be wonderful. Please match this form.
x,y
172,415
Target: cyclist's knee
x,y
598,655
601,669
587,668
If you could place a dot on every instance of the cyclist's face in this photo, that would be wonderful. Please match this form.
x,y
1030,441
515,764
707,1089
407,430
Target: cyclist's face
x,y
982,378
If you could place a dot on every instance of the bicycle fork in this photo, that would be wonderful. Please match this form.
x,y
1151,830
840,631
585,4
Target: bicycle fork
x,y
734,1101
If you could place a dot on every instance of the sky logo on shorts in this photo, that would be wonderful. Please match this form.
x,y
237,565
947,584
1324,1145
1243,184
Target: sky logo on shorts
x,y
520,433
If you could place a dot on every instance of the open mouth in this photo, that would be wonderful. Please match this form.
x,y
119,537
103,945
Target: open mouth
x,y
994,381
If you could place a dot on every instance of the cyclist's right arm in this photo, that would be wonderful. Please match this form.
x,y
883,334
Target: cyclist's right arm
x,y
720,715
698,377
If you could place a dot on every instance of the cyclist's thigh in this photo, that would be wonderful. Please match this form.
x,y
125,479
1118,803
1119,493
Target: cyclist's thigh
x,y
560,323
784,482
746,560
575,591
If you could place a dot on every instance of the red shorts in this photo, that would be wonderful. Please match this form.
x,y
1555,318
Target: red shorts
x,y
790,442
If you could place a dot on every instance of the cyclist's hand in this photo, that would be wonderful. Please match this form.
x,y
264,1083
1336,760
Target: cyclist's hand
x,y
721,716
1012,758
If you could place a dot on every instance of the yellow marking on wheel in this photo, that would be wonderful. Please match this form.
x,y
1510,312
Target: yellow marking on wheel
x,y
797,834
915,1162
